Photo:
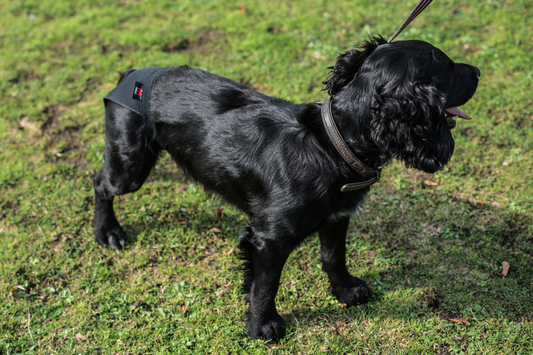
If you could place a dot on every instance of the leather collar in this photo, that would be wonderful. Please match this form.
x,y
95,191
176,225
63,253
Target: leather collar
x,y
372,175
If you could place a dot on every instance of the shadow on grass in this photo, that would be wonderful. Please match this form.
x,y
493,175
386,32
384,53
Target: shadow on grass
x,y
423,252
420,261
447,264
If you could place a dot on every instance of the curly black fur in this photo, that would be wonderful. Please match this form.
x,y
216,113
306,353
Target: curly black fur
x,y
274,160
348,64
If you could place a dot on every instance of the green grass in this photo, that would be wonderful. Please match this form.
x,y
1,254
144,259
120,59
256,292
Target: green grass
x,y
428,252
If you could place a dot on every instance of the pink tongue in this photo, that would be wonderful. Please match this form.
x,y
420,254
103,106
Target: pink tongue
x,y
454,111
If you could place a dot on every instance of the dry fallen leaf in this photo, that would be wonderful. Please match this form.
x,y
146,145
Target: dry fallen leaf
x,y
220,213
431,183
221,293
80,337
343,305
229,252
506,267
184,309
460,320
216,230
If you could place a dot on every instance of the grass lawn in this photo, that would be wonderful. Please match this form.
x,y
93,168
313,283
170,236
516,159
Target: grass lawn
x,y
430,246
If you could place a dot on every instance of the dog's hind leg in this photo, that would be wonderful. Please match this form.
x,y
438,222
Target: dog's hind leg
x,y
264,259
129,158
348,289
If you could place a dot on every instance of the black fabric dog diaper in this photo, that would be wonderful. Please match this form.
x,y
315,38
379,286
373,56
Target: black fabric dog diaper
x,y
133,92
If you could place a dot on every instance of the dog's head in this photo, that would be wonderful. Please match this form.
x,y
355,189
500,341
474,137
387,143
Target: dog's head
x,y
405,94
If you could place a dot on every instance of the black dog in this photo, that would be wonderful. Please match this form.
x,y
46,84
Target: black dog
x,y
275,161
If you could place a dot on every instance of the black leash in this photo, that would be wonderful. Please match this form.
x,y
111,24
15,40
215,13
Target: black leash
x,y
421,6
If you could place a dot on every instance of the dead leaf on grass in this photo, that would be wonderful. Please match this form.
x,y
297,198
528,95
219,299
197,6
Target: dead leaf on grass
x,y
185,309
80,337
216,230
343,305
13,290
26,123
431,183
221,293
229,252
460,320
506,267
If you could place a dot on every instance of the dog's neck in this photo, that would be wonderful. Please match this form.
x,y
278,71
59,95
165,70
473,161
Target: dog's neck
x,y
353,120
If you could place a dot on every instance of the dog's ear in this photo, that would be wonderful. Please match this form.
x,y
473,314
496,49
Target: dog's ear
x,y
408,124
348,64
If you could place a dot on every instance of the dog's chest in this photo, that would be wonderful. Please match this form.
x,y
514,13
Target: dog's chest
x,y
348,204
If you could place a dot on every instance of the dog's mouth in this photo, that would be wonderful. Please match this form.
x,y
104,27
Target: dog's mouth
x,y
451,115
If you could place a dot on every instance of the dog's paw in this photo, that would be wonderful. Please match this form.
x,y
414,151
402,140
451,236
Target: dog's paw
x,y
352,292
267,328
110,236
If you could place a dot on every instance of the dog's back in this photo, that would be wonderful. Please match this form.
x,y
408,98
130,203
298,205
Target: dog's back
x,y
244,145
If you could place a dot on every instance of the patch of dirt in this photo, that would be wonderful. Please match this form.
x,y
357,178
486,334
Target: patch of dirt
x,y
201,44
511,235
60,140
524,122
432,299
177,47
7,206
51,115
23,76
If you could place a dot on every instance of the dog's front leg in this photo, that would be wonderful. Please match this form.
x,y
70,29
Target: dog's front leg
x,y
107,230
348,289
264,260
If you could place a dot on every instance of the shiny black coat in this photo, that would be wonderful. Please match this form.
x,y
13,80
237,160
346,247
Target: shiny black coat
x,y
273,159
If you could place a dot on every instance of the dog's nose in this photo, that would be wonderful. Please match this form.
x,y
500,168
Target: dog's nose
x,y
478,72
